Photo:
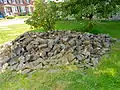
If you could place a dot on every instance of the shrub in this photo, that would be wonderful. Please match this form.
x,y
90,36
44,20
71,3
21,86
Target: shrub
x,y
10,17
29,14
43,16
22,14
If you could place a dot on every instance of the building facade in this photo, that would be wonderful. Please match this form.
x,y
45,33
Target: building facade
x,y
13,7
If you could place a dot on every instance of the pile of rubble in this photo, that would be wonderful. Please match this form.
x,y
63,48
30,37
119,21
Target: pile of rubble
x,y
35,50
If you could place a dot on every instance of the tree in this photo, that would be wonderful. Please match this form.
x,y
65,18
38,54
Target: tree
x,y
90,8
43,16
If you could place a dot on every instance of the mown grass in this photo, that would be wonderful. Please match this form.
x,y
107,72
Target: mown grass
x,y
106,27
112,28
8,33
21,17
69,25
106,76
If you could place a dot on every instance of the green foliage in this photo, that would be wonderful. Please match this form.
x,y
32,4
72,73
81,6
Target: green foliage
x,y
22,14
10,17
90,8
29,14
43,16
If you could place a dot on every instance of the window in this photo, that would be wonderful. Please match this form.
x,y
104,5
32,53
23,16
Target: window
x,y
21,1
22,9
1,1
5,1
13,1
28,1
17,1
16,9
9,1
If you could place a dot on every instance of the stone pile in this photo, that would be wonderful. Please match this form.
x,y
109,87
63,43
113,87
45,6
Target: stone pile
x,y
35,50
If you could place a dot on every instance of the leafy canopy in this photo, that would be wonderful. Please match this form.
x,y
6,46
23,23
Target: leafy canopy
x,y
90,8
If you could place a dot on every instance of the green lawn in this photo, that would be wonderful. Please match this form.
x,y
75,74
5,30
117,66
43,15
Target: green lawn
x,y
106,27
22,17
112,28
106,76
8,33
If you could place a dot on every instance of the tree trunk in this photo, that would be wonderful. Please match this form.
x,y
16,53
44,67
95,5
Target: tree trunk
x,y
90,23
91,16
